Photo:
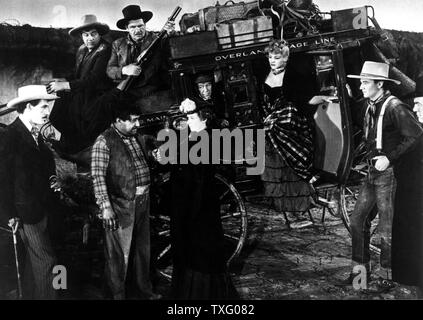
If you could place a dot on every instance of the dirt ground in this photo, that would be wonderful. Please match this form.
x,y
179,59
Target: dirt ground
x,y
305,263
276,263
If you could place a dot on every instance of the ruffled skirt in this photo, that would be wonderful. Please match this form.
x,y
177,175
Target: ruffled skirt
x,y
285,190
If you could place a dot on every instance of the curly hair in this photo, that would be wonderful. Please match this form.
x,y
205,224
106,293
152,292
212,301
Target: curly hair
x,y
277,46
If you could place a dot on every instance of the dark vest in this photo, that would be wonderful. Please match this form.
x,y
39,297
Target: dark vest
x,y
120,178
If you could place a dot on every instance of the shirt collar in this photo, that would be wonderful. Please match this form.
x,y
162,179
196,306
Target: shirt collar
x,y
26,122
123,136
133,43
383,96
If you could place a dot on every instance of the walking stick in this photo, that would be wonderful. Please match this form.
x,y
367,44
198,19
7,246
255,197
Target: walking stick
x,y
15,246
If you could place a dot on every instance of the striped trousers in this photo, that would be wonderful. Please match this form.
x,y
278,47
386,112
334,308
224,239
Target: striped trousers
x,y
40,260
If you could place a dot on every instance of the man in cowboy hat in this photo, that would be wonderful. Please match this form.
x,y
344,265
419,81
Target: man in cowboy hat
x,y
26,166
154,76
390,131
78,118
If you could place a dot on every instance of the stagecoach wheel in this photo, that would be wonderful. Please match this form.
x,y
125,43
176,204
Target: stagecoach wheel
x,y
233,216
160,225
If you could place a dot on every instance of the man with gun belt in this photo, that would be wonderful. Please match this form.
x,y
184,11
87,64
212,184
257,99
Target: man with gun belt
x,y
139,60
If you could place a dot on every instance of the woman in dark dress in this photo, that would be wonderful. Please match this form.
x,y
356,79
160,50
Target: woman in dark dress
x,y
288,120
199,265
77,115
407,225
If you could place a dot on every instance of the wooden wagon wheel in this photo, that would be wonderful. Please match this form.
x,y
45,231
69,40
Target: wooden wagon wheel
x,y
232,211
339,201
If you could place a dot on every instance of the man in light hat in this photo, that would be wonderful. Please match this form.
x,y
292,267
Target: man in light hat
x,y
78,118
26,168
390,131
154,76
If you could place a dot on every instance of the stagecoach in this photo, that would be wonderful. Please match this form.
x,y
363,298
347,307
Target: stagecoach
x,y
337,49
331,45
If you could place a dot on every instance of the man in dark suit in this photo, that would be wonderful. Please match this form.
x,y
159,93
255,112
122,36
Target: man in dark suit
x,y
80,115
26,168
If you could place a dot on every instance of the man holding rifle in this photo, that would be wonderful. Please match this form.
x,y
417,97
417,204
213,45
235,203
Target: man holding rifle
x,y
125,51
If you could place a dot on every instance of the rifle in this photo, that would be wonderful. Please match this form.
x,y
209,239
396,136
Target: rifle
x,y
146,54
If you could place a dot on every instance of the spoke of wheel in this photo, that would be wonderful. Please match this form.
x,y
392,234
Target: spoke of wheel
x,y
232,215
242,216
165,275
164,233
231,237
166,250
165,218
224,194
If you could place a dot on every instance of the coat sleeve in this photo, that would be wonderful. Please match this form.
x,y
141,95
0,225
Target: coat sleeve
x,y
97,73
114,70
165,65
409,128
7,203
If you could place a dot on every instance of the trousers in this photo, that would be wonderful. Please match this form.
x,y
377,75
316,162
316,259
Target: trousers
x,y
377,190
128,249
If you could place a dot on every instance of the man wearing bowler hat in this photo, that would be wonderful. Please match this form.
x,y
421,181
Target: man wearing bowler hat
x,y
390,131
154,76
26,169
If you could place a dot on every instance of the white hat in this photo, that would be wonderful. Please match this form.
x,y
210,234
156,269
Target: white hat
x,y
374,71
31,92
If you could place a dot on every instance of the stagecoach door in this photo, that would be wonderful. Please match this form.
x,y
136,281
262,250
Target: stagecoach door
x,y
334,141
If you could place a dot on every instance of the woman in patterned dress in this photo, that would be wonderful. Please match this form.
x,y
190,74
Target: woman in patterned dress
x,y
289,125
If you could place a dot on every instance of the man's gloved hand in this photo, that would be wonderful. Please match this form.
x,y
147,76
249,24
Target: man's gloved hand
x,y
14,223
131,70
382,163
170,27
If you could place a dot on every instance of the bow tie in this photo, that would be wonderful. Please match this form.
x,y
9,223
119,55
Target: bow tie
x,y
35,132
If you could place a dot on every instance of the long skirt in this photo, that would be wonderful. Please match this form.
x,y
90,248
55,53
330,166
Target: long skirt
x,y
407,226
285,190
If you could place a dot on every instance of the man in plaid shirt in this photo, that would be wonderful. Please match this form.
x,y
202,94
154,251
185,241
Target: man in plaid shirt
x,y
121,185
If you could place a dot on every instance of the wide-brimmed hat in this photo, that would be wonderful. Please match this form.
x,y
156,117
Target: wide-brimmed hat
x,y
133,12
374,71
31,92
89,21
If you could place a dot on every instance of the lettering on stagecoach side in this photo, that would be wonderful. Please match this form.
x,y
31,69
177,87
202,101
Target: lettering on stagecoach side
x,y
316,42
295,44
238,55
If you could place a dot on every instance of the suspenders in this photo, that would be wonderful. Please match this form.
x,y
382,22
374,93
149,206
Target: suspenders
x,y
380,122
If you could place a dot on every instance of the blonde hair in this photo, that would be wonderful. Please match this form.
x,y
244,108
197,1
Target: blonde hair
x,y
277,46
